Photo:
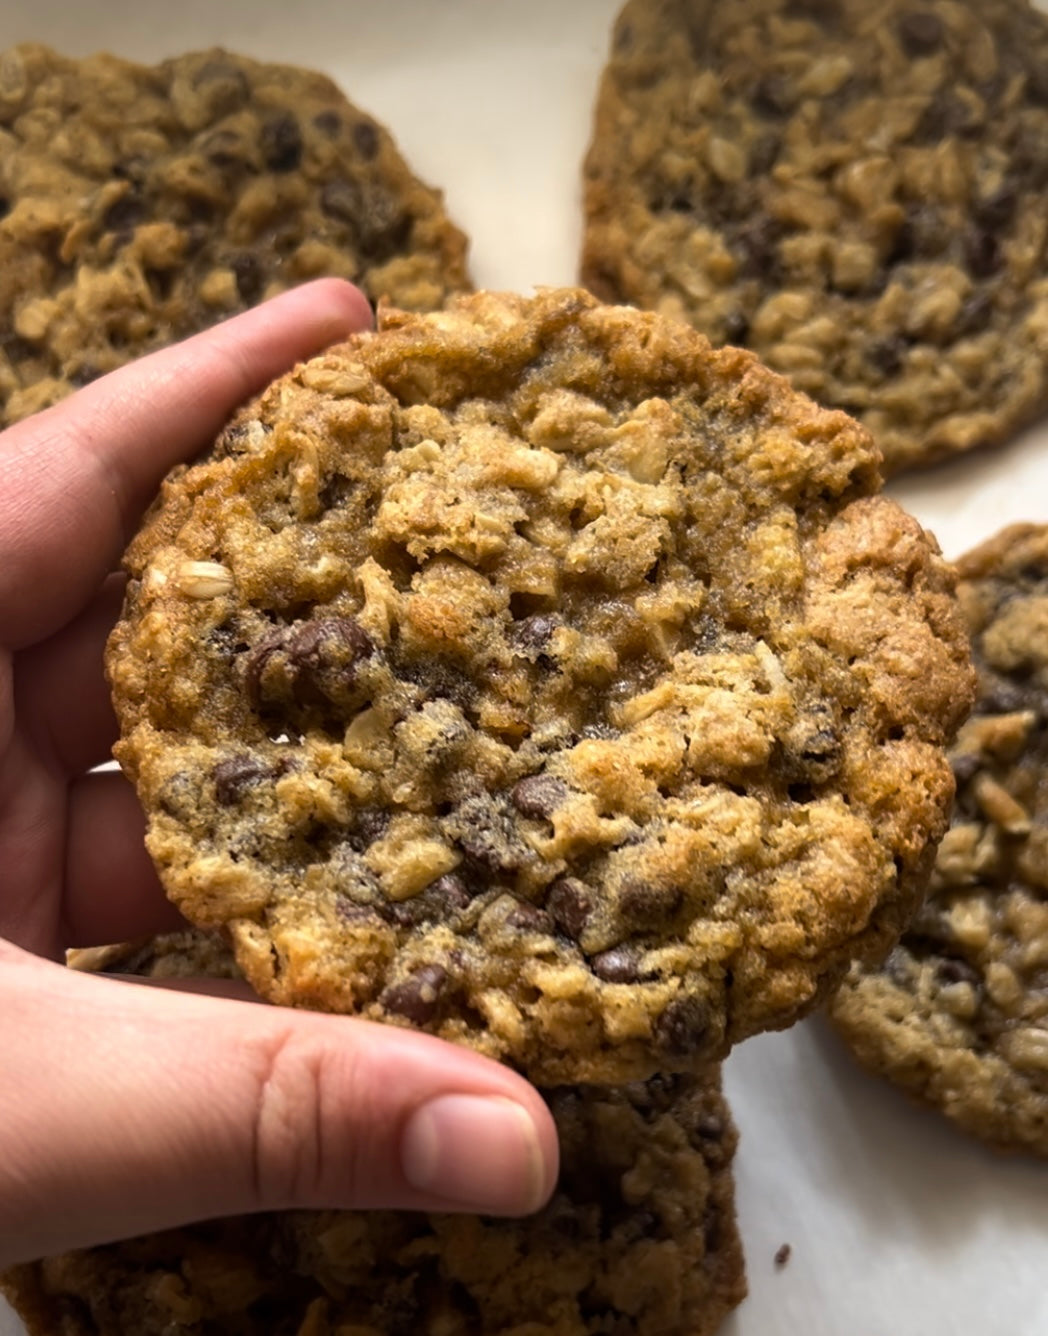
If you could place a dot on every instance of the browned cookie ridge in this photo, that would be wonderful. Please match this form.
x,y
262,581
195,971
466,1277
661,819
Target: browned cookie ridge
x,y
140,204
534,674
639,1238
959,1014
854,190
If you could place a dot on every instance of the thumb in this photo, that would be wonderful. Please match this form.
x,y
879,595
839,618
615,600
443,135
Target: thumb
x,y
126,1110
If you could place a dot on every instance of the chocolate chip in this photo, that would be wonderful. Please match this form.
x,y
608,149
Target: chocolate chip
x,y
920,32
329,123
619,965
365,137
736,327
570,906
527,918
369,825
644,902
281,142
682,1027
757,243
342,199
711,1127
982,252
348,911
417,998
125,214
84,374
487,833
250,276
887,354
965,766
538,796
998,208
307,664
974,315
236,774
951,970
440,900
774,95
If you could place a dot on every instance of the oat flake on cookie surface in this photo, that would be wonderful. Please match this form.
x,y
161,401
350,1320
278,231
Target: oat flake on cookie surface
x,y
140,204
536,675
853,189
959,1013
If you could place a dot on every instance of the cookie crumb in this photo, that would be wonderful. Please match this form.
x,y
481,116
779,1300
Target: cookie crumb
x,y
782,1257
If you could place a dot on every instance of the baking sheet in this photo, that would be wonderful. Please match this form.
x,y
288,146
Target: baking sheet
x,y
897,1224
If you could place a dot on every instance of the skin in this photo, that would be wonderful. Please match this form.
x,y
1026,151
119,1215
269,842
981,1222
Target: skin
x,y
126,1108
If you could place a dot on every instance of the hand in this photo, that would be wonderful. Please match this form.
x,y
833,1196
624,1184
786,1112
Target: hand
x,y
125,1109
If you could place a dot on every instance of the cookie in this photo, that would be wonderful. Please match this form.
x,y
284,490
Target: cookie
x,y
958,1016
536,675
639,1239
854,191
173,955
142,204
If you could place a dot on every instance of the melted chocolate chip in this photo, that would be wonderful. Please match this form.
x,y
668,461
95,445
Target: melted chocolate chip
x,y
329,123
526,918
487,833
235,775
440,900
920,32
365,137
682,1027
644,902
570,906
306,664
417,998
538,796
348,911
619,965
281,142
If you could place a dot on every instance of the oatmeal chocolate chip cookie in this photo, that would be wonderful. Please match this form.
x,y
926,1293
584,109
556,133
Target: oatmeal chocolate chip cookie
x,y
174,955
959,1014
142,204
639,1239
854,190
536,675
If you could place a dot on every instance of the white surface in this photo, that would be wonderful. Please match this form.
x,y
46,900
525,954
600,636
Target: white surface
x,y
897,1224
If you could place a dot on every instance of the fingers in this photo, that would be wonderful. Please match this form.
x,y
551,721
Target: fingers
x,y
62,697
112,893
75,479
126,1110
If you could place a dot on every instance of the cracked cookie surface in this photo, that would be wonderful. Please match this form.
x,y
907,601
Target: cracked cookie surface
x,y
141,204
959,1014
853,190
536,675
639,1238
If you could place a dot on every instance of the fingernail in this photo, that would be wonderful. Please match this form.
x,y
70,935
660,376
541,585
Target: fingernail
x,y
481,1152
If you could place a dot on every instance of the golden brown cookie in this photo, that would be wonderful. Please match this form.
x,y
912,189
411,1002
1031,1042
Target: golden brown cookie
x,y
854,190
959,1013
639,1239
535,675
140,204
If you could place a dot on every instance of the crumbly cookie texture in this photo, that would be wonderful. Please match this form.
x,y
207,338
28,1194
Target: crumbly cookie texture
x,y
639,1239
536,675
141,204
853,190
959,1014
